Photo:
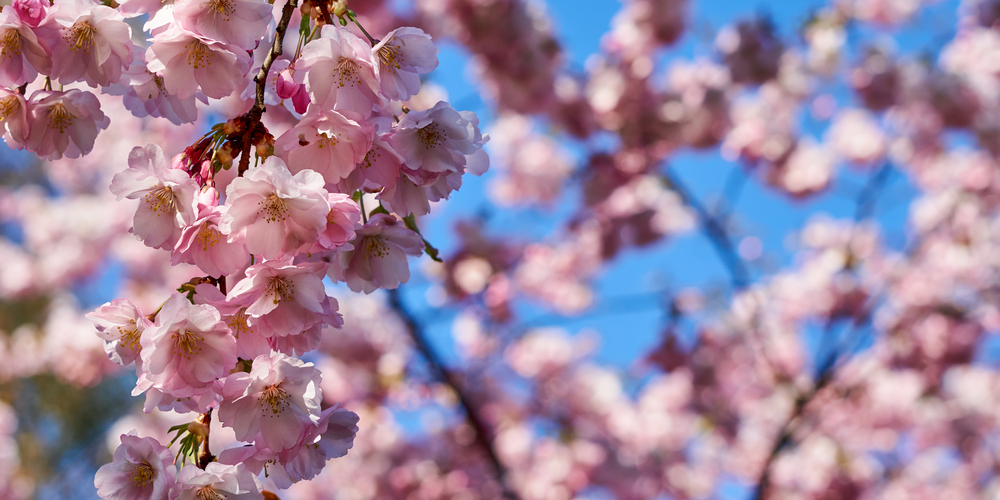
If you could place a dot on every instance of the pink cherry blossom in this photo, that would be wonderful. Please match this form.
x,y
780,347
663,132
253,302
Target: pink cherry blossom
x,y
89,42
241,23
143,469
249,343
310,338
145,95
378,257
22,57
64,123
167,196
276,403
120,324
332,437
439,140
341,222
276,214
188,62
217,481
14,118
402,55
187,348
281,298
329,142
338,72
203,245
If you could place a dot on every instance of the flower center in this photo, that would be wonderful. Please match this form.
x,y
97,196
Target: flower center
x,y
199,55
389,57
208,236
280,290
223,7
160,199
238,323
80,36
60,117
208,493
186,344
129,336
273,208
430,136
10,43
375,247
143,474
8,105
327,140
348,70
275,397
371,156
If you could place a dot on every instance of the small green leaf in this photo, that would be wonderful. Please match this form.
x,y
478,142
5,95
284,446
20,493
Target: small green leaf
x,y
431,251
343,22
379,210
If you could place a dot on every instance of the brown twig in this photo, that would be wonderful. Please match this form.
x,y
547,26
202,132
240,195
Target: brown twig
x,y
257,111
475,419
205,455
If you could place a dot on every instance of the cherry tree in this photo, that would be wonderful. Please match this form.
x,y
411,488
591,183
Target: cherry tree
x,y
224,276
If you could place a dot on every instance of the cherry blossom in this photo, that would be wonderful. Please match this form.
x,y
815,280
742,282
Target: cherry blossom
x,y
240,23
167,195
188,62
89,42
276,403
64,123
378,257
328,142
142,469
121,325
275,213
281,298
22,56
338,72
403,54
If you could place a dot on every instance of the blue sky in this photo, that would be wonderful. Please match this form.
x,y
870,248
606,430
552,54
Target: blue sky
x,y
687,260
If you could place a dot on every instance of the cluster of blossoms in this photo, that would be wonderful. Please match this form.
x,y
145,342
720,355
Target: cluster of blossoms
x,y
264,241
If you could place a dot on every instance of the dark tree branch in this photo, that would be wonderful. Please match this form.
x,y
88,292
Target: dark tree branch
x,y
205,455
257,111
475,419
713,229
864,206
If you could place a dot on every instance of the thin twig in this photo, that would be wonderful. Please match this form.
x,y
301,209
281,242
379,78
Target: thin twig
x,y
257,111
472,414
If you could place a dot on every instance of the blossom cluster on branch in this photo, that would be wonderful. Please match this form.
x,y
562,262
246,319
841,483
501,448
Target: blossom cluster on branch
x,y
271,149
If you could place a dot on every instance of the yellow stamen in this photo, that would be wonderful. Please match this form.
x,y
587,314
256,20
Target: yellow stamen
x,y
129,336
208,236
348,70
199,55
161,200
280,290
10,43
374,246
430,136
143,474
273,208
80,36
275,397
8,105
59,117
389,57
223,7
186,344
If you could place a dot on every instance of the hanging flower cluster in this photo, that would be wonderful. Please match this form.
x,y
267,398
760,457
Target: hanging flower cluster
x,y
228,341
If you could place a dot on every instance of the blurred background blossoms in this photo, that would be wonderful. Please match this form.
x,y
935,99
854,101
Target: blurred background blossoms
x,y
724,250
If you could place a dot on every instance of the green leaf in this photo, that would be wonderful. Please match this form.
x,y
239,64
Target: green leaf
x,y
304,26
343,22
379,210
431,251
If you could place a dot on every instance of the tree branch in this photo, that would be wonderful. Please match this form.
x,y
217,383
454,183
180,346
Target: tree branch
x,y
472,414
738,273
257,111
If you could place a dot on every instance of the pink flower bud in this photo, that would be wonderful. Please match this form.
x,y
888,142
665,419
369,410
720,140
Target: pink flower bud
x,y
286,87
31,12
